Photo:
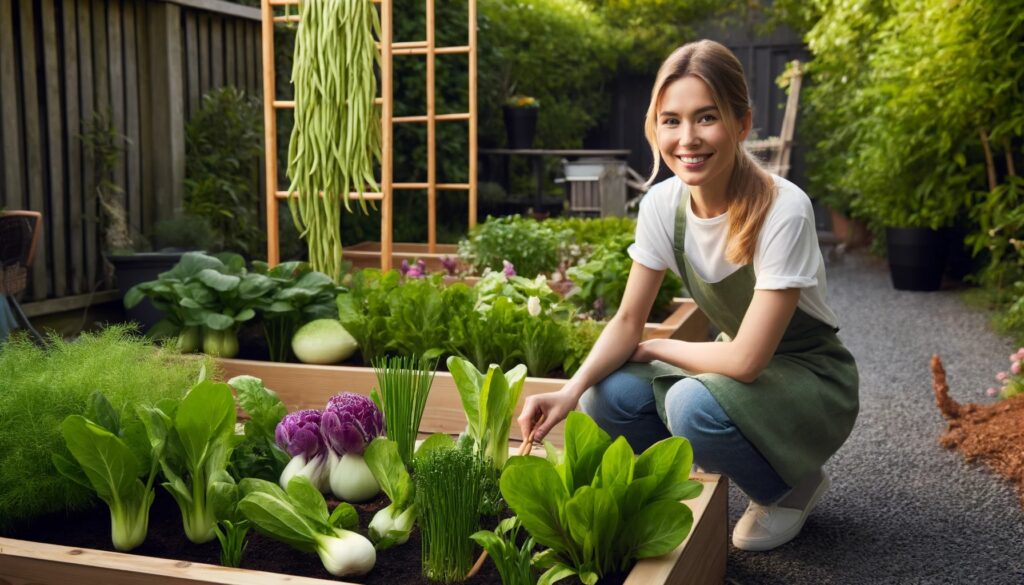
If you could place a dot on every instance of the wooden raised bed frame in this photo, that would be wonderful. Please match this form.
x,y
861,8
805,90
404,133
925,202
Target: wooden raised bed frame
x,y
699,560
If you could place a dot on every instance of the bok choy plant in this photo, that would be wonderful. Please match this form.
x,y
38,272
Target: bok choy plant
x,y
403,387
232,528
598,509
198,437
347,426
489,401
449,495
298,434
512,560
112,460
298,517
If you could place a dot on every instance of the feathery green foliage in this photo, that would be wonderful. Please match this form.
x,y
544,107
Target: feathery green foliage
x,y
40,387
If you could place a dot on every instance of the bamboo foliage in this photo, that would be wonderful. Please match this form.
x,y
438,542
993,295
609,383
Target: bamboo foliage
x,y
336,140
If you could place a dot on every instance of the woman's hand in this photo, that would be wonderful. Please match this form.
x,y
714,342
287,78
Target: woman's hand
x,y
541,412
644,351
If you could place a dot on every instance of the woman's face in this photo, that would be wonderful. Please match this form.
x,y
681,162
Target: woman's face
x,y
694,139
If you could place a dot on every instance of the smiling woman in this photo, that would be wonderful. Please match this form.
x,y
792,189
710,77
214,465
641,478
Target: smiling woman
x,y
776,396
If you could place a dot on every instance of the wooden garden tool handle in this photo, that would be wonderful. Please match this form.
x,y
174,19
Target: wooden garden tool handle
x,y
524,449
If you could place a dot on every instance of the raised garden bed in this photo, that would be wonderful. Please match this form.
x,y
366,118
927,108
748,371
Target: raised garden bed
x,y
698,560
367,254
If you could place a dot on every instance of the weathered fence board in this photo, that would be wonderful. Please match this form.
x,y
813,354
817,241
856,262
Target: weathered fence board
x,y
61,61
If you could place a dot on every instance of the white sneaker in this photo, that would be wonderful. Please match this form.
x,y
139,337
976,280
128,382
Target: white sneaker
x,y
763,528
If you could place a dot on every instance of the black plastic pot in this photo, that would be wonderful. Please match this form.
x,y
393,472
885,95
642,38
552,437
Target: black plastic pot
x,y
521,126
130,270
917,257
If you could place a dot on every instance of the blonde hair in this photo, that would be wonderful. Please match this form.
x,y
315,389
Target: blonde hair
x,y
751,189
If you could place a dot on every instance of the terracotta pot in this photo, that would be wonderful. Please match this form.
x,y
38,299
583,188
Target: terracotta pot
x,y
852,232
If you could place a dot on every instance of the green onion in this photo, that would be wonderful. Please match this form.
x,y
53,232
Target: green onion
x,y
336,140
404,384
448,495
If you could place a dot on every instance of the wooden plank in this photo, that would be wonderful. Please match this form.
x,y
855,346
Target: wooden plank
x,y
167,115
204,54
115,62
90,212
72,128
222,7
34,145
252,53
10,119
137,209
69,303
216,55
101,87
148,152
192,58
230,63
55,155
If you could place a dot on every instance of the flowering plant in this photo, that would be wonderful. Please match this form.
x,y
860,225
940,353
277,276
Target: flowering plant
x,y
522,101
1012,381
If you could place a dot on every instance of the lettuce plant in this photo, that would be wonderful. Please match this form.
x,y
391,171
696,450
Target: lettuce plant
x,y
258,454
595,507
489,401
195,437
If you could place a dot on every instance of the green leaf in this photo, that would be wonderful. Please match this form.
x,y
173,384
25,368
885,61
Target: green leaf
x,y
432,443
216,321
344,516
244,315
556,574
263,406
109,465
205,417
191,264
133,297
593,519
386,465
469,382
71,470
278,518
669,462
308,500
254,286
616,467
101,412
657,529
585,444
218,281
537,495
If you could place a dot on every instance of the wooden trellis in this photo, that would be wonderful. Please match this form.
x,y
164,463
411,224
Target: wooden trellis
x,y
389,49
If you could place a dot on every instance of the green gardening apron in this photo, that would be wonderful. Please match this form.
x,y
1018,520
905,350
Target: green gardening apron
x,y
803,405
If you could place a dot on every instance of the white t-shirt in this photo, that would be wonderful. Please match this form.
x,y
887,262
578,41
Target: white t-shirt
x,y
787,253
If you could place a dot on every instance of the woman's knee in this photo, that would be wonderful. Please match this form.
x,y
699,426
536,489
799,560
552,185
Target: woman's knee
x,y
694,413
619,398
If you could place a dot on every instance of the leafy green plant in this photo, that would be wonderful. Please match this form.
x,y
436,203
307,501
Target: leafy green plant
x,y
223,146
258,454
117,463
532,247
403,384
598,509
511,558
197,437
449,510
489,401
364,308
43,386
105,146
232,528
299,518
300,295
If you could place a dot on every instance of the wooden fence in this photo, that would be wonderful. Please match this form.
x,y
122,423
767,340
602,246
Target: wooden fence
x,y
145,62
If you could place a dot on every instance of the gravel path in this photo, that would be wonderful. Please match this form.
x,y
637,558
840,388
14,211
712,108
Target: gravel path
x,y
902,509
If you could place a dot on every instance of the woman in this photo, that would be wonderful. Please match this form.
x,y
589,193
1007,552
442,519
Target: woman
x,y
776,395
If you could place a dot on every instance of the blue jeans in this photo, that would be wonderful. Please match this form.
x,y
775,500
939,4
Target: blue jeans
x,y
623,405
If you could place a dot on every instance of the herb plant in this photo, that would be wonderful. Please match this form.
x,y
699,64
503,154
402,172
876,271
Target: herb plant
x,y
403,387
43,386
258,454
531,246
117,463
597,508
511,559
299,517
449,493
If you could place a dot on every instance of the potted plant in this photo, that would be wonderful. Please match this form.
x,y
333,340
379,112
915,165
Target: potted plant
x,y
521,120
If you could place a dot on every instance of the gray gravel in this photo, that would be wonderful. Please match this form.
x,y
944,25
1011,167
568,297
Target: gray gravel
x,y
902,509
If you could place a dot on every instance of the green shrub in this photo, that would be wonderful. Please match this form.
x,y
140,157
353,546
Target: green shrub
x,y
223,145
40,387
532,247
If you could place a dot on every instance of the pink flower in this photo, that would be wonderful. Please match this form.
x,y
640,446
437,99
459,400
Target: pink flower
x,y
1001,376
450,264
508,268
1015,368
991,391
404,268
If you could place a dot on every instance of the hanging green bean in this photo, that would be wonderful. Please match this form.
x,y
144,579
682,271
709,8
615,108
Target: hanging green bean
x,y
336,140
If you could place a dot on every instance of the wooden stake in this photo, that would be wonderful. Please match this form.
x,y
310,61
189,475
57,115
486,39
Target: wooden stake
x,y
472,113
387,136
431,135
270,133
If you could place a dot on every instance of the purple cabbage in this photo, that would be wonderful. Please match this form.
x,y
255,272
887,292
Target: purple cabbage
x,y
350,422
298,433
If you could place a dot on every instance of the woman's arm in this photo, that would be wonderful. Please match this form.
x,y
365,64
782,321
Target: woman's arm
x,y
744,357
614,346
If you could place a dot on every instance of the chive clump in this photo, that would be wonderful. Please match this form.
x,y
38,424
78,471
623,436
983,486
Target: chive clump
x,y
449,492
403,386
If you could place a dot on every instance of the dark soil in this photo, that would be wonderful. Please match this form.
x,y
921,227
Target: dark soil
x,y
992,434
166,539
